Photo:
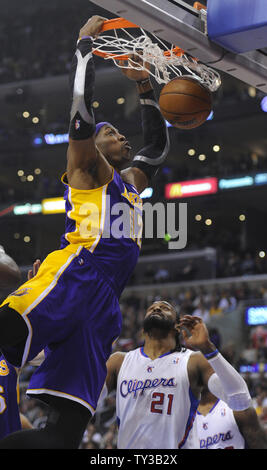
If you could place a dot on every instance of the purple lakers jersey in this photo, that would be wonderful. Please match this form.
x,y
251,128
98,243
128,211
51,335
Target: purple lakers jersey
x,y
107,221
9,411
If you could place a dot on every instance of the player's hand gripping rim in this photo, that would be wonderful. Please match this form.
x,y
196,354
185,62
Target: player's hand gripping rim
x,y
92,28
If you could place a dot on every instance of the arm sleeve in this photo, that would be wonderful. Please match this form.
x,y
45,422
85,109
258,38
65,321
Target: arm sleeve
x,y
156,137
228,385
82,82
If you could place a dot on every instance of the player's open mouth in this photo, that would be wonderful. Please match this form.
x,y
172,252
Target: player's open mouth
x,y
127,146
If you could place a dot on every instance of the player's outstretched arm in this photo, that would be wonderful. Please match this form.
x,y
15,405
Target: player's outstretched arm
x,y
113,368
82,154
148,160
210,368
251,429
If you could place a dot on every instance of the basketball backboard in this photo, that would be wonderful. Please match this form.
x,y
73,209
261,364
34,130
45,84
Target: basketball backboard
x,y
179,23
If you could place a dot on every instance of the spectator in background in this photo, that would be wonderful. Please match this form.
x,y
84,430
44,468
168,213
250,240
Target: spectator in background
x,y
162,274
189,271
259,337
202,312
258,400
149,273
248,265
232,267
214,308
215,337
249,354
227,302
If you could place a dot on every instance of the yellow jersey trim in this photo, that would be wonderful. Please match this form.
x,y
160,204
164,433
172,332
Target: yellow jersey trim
x,y
87,190
39,299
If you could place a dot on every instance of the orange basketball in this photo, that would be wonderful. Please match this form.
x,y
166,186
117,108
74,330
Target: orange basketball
x,y
185,102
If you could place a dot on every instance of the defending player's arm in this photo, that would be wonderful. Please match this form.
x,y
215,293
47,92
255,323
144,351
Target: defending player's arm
x,y
113,368
82,154
251,429
211,369
148,160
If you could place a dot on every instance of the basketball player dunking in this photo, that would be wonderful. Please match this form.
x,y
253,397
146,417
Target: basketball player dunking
x,y
158,385
71,306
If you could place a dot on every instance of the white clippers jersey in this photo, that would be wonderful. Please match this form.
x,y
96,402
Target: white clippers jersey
x,y
218,429
155,405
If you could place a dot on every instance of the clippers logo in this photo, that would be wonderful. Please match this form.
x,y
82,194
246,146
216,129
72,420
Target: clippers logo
x,y
77,124
216,439
131,387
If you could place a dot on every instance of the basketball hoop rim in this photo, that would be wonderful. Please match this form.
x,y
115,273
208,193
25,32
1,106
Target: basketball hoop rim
x,y
122,23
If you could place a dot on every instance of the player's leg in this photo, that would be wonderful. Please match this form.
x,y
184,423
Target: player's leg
x,y
65,427
28,316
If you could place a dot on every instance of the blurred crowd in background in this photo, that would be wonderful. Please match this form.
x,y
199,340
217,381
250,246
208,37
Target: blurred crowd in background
x,y
50,186
41,43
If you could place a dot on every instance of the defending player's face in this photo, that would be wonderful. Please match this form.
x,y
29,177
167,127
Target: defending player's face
x,y
160,315
114,146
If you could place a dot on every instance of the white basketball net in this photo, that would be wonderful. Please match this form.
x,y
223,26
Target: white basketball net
x,y
162,67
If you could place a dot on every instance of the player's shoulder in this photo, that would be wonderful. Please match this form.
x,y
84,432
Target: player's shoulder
x,y
196,361
115,361
135,179
187,353
196,357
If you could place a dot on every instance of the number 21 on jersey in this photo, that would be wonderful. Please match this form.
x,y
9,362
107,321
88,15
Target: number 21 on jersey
x,y
157,404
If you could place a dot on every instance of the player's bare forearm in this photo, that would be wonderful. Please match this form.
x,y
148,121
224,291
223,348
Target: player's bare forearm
x,y
251,429
113,368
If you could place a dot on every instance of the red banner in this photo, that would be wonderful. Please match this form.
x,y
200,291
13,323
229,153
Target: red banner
x,y
191,188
